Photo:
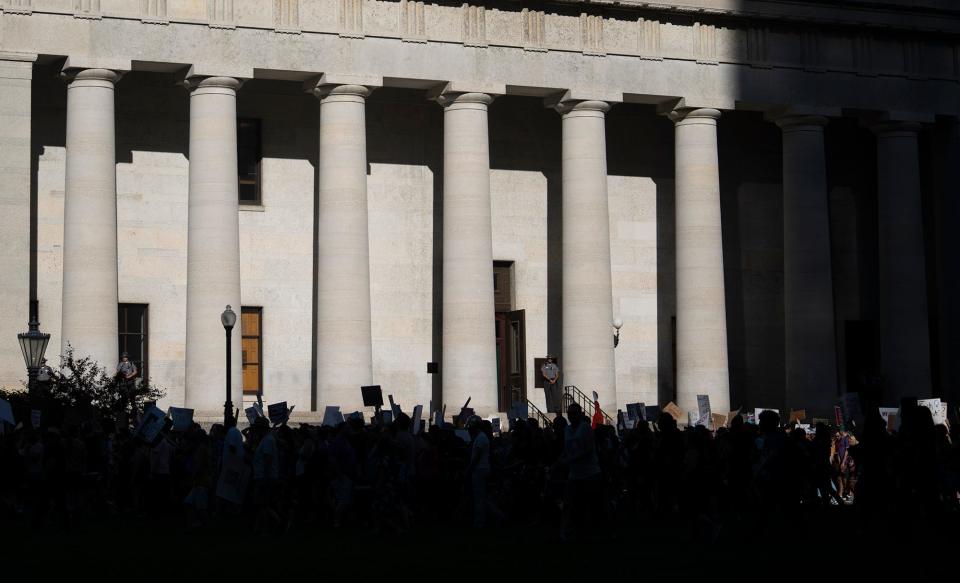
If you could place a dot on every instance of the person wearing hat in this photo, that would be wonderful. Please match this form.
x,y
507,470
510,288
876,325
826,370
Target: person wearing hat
x,y
551,384
126,373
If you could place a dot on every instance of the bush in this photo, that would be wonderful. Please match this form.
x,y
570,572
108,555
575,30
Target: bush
x,y
82,385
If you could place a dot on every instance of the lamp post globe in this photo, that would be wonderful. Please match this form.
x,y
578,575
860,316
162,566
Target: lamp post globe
x,y
617,324
229,319
33,344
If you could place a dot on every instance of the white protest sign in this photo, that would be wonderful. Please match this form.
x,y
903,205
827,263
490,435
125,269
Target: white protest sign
x,y
332,416
936,409
703,410
415,425
692,419
182,418
6,412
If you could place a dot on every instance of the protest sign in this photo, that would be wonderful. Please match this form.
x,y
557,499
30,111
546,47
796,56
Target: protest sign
x,y
651,413
692,419
495,422
182,418
674,411
415,425
394,407
278,413
151,424
332,416
6,412
387,417
703,409
889,415
719,420
798,415
635,411
252,414
936,410
438,418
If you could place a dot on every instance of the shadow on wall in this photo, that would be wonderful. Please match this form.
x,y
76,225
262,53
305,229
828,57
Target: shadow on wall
x,y
845,61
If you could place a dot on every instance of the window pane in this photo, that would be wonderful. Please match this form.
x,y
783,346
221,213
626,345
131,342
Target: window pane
x,y
251,378
251,350
250,321
248,193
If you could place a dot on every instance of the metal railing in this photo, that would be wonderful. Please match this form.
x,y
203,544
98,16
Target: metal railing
x,y
539,415
571,394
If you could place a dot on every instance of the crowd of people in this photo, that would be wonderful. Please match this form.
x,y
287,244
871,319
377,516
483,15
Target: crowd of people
x,y
386,478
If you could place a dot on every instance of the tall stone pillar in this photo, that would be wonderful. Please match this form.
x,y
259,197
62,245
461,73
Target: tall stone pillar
x,y
344,350
810,339
213,243
702,366
469,366
904,328
89,320
587,356
16,73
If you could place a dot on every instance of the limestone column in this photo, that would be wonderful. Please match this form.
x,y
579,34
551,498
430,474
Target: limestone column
x,y
469,366
587,286
16,73
344,352
89,319
702,366
904,328
213,243
810,340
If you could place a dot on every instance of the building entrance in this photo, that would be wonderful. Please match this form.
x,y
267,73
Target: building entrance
x,y
511,340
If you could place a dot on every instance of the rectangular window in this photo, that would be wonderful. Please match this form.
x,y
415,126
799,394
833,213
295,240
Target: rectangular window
x,y
248,161
251,330
133,322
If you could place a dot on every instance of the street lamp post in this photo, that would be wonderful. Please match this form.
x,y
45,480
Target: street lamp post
x,y
33,343
229,319
617,324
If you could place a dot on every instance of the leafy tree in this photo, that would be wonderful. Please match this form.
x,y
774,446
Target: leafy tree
x,y
83,385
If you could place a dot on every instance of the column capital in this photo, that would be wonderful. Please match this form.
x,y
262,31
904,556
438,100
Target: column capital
x,y
693,115
342,87
212,84
463,100
581,108
889,129
333,92
91,77
800,122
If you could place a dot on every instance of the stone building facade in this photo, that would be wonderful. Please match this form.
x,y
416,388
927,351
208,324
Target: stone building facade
x,y
763,192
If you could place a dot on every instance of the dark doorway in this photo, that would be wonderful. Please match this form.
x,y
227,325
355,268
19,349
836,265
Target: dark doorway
x,y
511,333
